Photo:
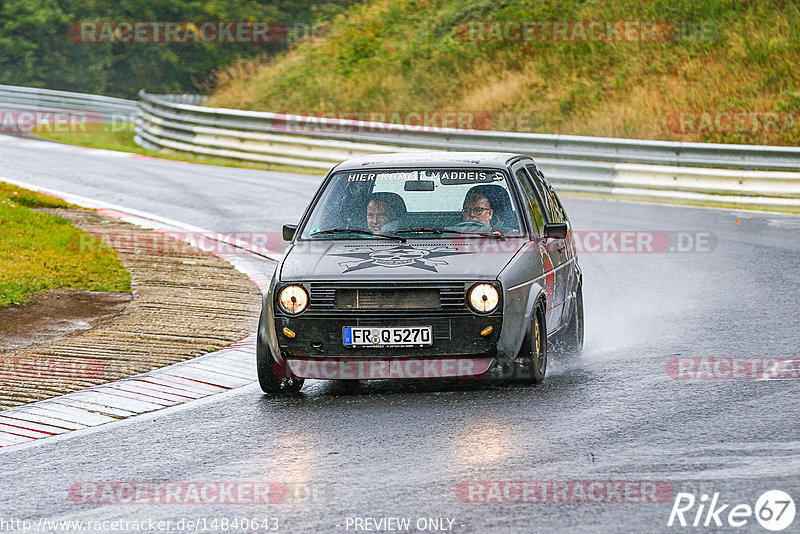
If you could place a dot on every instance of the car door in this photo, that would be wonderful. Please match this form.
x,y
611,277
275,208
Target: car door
x,y
536,217
571,271
558,250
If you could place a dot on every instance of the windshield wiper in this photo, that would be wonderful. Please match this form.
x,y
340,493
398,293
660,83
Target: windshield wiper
x,y
338,231
490,233
421,231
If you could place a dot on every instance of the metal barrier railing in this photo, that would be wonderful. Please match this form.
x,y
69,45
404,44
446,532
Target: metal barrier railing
x,y
715,174
743,175
15,98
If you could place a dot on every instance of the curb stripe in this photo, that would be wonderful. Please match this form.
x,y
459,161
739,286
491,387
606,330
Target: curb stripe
x,y
209,374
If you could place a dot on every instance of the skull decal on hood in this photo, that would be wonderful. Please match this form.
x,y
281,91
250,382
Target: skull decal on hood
x,y
399,256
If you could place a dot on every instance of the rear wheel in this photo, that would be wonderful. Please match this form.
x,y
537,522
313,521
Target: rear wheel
x,y
573,335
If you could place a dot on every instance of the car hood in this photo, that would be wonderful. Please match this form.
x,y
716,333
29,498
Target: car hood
x,y
413,260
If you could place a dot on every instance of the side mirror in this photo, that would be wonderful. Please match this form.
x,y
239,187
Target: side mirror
x,y
555,230
288,231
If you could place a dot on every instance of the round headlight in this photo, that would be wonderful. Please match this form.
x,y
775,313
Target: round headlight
x,y
483,298
293,299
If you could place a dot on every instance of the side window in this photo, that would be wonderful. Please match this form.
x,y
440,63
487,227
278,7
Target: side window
x,y
552,206
556,215
533,203
559,204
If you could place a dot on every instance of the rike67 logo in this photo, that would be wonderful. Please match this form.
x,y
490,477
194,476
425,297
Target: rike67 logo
x,y
774,511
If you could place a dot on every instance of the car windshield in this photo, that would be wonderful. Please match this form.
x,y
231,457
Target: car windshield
x,y
418,203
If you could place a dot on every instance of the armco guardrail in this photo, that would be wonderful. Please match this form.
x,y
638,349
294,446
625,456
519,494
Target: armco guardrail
x,y
750,176
15,98
742,175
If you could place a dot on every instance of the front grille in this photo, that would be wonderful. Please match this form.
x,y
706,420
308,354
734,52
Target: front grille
x,y
322,297
381,299
442,296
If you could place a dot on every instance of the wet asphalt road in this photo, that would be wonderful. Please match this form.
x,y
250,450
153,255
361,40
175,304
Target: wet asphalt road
x,y
402,449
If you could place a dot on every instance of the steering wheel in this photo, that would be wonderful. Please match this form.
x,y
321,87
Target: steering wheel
x,y
472,224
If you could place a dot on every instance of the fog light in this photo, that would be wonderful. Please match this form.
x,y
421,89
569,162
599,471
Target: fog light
x,y
288,333
486,331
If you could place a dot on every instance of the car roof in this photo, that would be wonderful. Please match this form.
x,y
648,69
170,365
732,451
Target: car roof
x,y
429,160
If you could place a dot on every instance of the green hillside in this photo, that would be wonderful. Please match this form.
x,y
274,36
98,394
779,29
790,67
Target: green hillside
x,y
704,70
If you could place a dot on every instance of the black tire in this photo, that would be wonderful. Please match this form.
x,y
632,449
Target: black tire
x,y
572,338
530,366
538,335
270,382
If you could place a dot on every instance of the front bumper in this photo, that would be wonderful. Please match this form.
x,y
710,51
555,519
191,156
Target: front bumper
x,y
374,369
318,351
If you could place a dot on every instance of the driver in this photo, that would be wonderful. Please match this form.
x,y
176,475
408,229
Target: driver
x,y
381,218
477,209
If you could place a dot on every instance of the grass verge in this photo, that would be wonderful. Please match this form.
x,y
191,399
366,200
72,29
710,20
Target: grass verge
x,y
40,252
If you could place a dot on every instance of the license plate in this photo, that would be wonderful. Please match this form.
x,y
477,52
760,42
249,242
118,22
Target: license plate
x,y
387,336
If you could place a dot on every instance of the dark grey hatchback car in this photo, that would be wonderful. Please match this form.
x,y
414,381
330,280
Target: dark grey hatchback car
x,y
423,265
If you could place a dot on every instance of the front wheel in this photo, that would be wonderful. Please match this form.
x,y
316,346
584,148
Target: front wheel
x,y
531,362
271,376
